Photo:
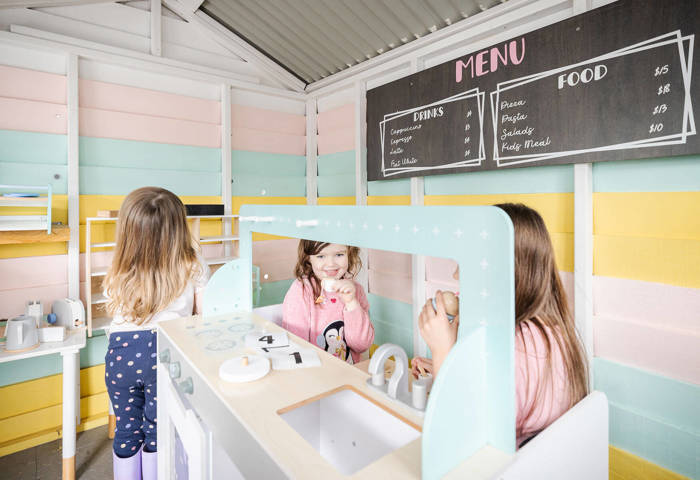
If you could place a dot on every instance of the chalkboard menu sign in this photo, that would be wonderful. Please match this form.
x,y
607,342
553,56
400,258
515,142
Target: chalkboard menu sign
x,y
614,83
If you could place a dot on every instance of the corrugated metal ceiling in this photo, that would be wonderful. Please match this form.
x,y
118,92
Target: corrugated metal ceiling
x,y
317,38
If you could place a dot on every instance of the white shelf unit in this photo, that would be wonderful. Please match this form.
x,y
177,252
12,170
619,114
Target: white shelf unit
x,y
26,222
101,321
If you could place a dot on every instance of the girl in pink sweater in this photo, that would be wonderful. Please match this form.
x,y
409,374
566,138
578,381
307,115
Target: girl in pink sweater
x,y
324,305
551,372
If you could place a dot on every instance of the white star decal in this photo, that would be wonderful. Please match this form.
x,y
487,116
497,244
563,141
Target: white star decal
x,y
484,264
351,225
380,227
459,233
484,234
365,226
328,222
484,293
436,231
339,224
415,229
397,228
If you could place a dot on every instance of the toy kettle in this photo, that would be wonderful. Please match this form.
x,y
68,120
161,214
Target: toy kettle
x,y
21,334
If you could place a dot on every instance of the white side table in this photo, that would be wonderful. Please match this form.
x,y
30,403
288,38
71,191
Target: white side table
x,y
70,351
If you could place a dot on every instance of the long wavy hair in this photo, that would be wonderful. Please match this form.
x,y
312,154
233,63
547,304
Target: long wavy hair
x,y
303,267
540,300
155,257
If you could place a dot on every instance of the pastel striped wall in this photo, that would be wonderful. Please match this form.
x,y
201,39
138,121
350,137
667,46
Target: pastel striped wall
x,y
269,166
336,155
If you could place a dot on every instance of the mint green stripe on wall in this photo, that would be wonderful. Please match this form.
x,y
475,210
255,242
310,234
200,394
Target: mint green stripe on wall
x,y
274,292
336,163
35,174
249,185
652,416
121,181
32,147
261,163
38,367
676,174
342,185
108,152
547,179
400,186
392,322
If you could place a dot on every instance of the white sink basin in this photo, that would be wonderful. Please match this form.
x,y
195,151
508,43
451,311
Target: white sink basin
x,y
348,429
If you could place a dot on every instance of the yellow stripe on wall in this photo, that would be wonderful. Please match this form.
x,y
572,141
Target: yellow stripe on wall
x,y
59,213
557,209
625,466
31,411
647,214
660,260
336,200
389,200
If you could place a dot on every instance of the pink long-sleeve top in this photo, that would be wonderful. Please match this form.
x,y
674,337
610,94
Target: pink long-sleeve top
x,y
535,414
328,325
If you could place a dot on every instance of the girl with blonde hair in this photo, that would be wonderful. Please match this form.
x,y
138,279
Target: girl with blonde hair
x,y
551,372
156,274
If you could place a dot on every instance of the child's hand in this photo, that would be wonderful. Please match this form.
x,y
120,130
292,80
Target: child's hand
x,y
421,362
436,329
346,290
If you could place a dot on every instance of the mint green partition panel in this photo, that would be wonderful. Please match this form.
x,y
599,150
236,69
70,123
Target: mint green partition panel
x,y
472,403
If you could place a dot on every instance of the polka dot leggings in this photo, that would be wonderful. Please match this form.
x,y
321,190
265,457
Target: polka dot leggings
x,y
130,375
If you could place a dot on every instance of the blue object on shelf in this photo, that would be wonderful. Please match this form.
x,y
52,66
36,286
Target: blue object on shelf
x,y
21,195
51,318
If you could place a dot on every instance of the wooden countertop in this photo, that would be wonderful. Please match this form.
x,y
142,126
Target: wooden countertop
x,y
255,404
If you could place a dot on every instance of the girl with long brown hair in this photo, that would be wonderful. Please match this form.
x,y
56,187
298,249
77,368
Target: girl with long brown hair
x,y
156,274
551,371
324,305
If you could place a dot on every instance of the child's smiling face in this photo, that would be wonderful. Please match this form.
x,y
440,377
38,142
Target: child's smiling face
x,y
330,262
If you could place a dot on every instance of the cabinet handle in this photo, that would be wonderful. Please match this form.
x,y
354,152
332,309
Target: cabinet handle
x,y
187,386
174,370
165,356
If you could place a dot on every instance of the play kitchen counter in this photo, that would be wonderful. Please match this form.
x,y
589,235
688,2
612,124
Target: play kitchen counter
x,y
267,427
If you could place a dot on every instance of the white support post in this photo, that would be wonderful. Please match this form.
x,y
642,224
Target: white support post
x,y
361,167
583,242
583,257
226,176
71,364
156,31
73,178
360,143
417,261
311,151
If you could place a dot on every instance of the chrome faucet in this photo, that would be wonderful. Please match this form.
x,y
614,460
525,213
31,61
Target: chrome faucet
x,y
397,388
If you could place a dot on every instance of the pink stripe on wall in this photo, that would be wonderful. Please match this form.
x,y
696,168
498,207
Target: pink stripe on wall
x,y
341,118
670,352
336,141
646,302
121,98
21,83
12,302
269,142
390,286
27,272
276,259
129,126
440,269
390,262
31,116
267,250
432,287
267,120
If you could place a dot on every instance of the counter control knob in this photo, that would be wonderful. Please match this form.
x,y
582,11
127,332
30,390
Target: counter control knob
x,y
165,356
187,386
174,370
